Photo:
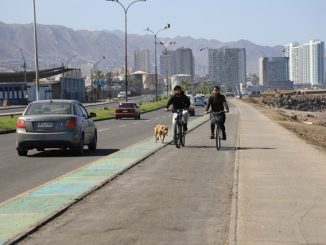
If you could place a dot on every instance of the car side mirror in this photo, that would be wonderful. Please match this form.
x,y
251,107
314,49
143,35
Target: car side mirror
x,y
92,114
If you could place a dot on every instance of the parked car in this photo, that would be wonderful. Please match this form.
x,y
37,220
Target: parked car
x,y
191,107
127,110
200,101
55,124
122,94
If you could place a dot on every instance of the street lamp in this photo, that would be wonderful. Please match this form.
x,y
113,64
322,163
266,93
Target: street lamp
x,y
125,9
155,37
69,60
36,56
92,85
21,51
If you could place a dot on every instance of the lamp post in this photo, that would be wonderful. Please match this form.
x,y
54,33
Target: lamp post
x,y
92,85
69,60
36,56
155,37
125,9
21,51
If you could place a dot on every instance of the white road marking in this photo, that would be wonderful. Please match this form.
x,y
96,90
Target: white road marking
x,y
121,126
104,129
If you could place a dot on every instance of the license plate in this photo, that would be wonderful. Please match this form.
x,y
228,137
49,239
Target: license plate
x,y
125,111
44,124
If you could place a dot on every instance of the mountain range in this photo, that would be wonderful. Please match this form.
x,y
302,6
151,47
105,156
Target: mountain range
x,y
58,44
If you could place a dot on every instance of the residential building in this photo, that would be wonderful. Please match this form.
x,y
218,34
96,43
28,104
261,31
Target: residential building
x,y
227,67
142,61
306,63
274,73
179,61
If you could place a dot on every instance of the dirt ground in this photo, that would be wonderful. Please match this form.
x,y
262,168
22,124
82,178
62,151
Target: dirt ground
x,y
310,126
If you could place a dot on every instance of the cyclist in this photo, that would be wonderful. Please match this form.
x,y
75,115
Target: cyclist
x,y
218,103
179,101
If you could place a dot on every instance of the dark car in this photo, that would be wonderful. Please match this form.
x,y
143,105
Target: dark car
x,y
127,110
55,124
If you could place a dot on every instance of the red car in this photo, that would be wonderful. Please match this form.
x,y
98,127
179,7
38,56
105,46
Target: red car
x,y
127,110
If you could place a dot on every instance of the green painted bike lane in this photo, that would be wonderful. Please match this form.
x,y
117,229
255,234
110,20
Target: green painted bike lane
x,y
26,212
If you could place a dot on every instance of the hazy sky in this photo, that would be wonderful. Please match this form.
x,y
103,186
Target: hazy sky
x,y
265,22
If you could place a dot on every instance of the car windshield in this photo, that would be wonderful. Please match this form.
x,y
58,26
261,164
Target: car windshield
x,y
48,108
126,105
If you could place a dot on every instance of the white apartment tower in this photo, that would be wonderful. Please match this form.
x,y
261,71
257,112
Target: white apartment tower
x,y
313,62
306,62
142,61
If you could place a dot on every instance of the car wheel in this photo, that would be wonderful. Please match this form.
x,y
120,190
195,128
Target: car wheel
x,y
92,145
22,152
116,117
79,150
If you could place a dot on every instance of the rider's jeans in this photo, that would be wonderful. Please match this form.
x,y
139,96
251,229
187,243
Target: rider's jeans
x,y
185,116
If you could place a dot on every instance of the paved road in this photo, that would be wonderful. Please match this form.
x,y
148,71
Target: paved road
x,y
176,196
180,197
19,174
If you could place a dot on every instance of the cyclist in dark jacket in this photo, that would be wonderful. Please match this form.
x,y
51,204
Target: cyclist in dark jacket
x,y
218,103
179,101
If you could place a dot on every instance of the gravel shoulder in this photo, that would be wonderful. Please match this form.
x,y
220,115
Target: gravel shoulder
x,y
308,125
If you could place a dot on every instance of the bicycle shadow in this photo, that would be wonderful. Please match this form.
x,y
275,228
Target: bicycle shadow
x,y
229,148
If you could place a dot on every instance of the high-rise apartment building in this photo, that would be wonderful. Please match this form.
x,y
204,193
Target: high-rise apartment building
x,y
142,61
179,61
227,66
274,72
306,63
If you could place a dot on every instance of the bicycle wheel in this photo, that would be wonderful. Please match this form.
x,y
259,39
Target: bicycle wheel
x,y
218,137
177,135
182,136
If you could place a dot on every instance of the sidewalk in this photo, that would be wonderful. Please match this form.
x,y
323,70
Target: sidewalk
x,y
281,185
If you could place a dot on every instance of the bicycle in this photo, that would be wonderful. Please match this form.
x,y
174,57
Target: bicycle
x,y
218,131
179,134
179,138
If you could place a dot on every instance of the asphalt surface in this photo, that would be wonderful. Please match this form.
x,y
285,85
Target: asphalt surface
x,y
175,196
266,187
19,174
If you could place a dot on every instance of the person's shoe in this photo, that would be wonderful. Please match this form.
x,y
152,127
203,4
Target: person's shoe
x,y
224,137
185,128
212,137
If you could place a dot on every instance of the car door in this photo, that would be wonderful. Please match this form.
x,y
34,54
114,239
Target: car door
x,y
89,124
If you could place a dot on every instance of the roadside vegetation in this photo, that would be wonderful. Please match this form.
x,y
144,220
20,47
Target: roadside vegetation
x,y
8,123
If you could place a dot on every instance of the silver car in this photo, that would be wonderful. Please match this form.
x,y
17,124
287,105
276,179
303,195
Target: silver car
x,y
55,124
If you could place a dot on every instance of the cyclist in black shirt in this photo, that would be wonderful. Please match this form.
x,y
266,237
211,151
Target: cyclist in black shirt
x,y
218,103
179,101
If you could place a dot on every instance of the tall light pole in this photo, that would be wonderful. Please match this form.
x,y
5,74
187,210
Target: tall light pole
x,y
36,56
21,51
69,60
92,85
155,37
125,9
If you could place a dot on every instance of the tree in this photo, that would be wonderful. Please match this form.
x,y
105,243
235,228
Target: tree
x,y
186,85
204,87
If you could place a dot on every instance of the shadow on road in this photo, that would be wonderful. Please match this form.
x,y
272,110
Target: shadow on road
x,y
68,153
255,148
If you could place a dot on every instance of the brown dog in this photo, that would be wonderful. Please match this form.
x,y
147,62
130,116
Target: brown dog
x,y
160,131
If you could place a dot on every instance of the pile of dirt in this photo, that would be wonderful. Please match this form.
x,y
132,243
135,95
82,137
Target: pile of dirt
x,y
301,102
308,121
